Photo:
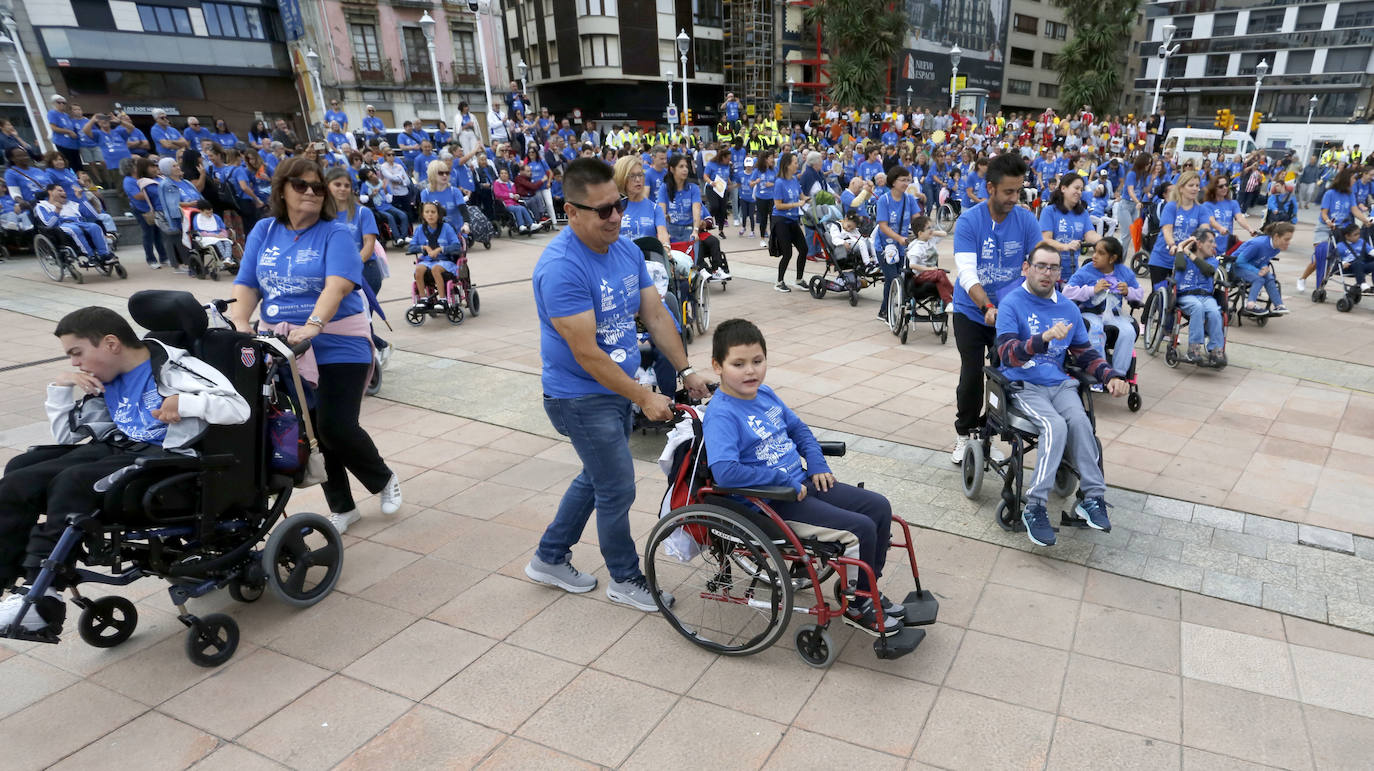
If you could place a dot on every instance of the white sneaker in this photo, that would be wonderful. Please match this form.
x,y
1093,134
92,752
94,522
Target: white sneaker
x,y
384,356
156,266
1302,285
391,496
997,455
1366,286
32,621
763,244
342,520
721,275
960,444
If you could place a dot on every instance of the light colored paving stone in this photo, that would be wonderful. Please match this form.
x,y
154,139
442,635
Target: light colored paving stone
x,y
1272,529
1351,615
1295,602
1325,538
1220,519
1231,587
1172,573
1169,508
1240,543
1334,680
1237,660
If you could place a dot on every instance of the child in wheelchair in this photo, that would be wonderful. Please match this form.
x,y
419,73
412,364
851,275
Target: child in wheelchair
x,y
1037,329
436,247
1254,266
1195,270
75,219
207,229
923,261
1103,289
846,239
131,398
752,439
1354,257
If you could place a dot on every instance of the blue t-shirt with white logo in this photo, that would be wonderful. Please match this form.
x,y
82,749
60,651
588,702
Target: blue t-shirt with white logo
x,y
131,398
1185,221
570,279
787,191
1025,315
641,218
288,268
760,440
897,214
680,206
1065,226
1000,249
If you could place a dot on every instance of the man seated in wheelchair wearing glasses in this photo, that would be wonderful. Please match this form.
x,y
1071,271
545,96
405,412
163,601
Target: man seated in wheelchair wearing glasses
x,y
1037,328
131,398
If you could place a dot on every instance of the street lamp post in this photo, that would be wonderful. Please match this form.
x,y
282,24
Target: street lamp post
x,y
427,27
1261,70
908,97
476,6
790,85
1165,51
683,42
1311,108
521,70
312,64
955,54
13,28
668,75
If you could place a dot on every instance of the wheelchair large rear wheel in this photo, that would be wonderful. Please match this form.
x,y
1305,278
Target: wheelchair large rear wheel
x,y
107,621
703,304
718,605
1154,320
48,258
303,558
896,309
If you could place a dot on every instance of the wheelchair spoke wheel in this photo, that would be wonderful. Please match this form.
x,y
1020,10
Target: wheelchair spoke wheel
x,y
242,591
815,646
1154,321
303,559
719,605
48,259
703,304
107,622
896,309
212,640
454,313
415,317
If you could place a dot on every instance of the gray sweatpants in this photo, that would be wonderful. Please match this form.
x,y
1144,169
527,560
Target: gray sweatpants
x,y
1063,424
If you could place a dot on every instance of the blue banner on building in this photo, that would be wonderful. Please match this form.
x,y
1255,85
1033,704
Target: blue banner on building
x,y
291,20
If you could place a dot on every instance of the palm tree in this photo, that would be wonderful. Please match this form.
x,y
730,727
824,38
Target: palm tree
x,y
1092,64
862,37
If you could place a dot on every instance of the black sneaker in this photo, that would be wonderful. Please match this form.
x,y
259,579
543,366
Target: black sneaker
x,y
860,615
782,286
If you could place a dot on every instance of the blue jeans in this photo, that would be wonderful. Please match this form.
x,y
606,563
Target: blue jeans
x,y
397,219
1249,275
1125,338
522,215
599,426
152,241
1203,317
679,233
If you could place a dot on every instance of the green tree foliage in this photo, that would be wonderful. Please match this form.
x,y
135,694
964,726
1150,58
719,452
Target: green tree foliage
x,y
861,36
1092,65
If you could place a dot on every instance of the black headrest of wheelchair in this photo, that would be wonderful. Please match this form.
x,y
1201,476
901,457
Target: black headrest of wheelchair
x,y
166,310
650,244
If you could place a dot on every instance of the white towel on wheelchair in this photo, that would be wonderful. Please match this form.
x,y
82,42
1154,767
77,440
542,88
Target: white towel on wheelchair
x,y
679,545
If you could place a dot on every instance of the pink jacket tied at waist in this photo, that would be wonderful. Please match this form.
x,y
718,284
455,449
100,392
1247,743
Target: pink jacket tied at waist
x,y
354,325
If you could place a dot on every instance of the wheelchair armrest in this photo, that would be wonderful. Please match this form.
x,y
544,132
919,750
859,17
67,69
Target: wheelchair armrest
x,y
995,375
836,449
188,462
772,492
36,447
1084,380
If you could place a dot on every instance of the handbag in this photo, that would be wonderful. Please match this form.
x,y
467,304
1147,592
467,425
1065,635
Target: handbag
x,y
313,472
309,462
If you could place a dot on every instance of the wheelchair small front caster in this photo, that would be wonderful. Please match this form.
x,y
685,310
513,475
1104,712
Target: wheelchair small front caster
x,y
212,640
107,622
1133,401
971,468
815,646
245,592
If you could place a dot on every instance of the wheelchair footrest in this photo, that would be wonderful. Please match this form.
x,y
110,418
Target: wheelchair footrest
x,y
895,646
921,608
50,635
1071,520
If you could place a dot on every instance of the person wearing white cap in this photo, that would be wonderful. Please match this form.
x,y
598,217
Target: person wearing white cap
x,y
64,132
373,128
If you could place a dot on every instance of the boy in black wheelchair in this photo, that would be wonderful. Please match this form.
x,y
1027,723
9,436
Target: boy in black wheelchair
x,y
754,440
1037,328
131,398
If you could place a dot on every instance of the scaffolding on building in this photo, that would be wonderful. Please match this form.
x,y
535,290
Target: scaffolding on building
x,y
750,52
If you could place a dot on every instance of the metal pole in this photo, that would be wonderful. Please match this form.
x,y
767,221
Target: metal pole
x,y
13,29
1311,107
482,52
685,103
37,128
1254,102
954,88
434,70
667,116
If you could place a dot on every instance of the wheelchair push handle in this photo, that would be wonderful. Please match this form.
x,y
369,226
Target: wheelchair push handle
x,y
297,350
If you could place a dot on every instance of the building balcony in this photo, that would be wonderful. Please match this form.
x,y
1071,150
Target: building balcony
x,y
464,79
373,72
120,50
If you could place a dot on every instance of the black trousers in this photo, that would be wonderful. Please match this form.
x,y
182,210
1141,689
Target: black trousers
x,y
709,255
764,211
789,234
73,156
974,342
53,480
346,445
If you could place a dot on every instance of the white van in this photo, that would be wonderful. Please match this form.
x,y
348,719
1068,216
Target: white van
x,y
1190,144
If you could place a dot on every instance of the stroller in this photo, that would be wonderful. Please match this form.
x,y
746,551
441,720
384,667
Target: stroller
x,y
850,273
481,229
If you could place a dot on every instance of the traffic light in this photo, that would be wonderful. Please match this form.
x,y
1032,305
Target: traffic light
x,y
777,111
1255,119
1225,121
1220,121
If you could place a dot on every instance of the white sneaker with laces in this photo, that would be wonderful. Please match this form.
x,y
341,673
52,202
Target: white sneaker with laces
x,y
32,621
391,496
1302,285
721,275
960,444
341,520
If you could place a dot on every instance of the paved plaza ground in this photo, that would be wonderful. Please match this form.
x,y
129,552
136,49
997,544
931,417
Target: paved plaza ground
x,y
1224,623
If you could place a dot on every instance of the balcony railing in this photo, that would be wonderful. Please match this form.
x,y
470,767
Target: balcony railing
x,y
373,72
464,78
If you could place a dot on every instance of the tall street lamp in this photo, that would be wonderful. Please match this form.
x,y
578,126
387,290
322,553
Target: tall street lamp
x,y
683,42
955,54
478,7
1261,70
521,70
1165,51
312,63
790,85
670,113
1311,108
427,27
908,97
